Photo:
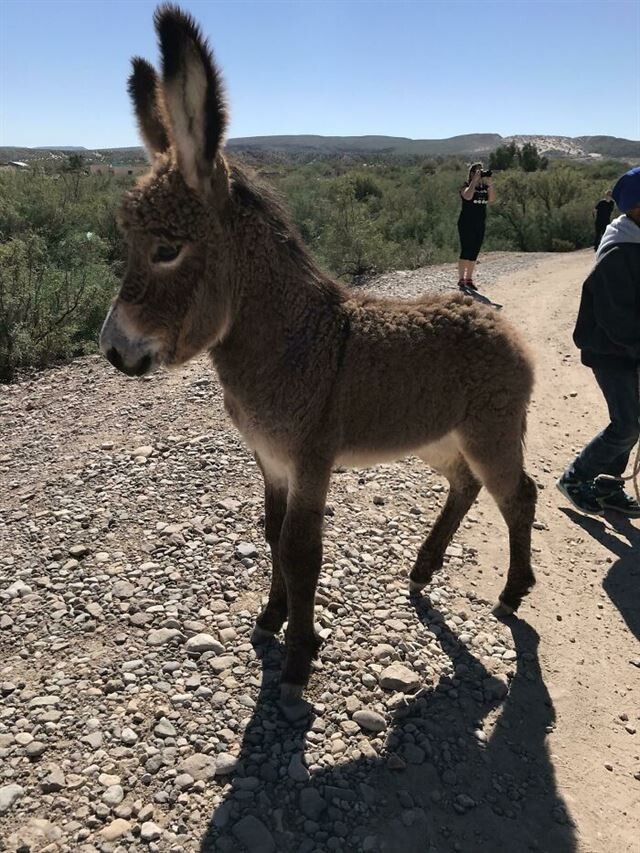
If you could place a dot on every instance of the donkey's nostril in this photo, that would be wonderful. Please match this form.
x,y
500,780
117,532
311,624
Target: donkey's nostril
x,y
114,357
141,366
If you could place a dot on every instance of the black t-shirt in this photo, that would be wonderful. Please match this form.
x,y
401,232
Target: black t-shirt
x,y
604,209
474,212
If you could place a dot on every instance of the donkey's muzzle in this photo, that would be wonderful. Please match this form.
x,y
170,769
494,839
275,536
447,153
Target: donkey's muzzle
x,y
141,367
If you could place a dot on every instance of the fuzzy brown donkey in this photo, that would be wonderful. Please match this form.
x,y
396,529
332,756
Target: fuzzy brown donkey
x,y
313,374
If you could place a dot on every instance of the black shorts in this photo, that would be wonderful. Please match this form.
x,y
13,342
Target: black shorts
x,y
471,237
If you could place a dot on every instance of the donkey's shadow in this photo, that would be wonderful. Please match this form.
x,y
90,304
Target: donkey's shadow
x,y
622,581
470,793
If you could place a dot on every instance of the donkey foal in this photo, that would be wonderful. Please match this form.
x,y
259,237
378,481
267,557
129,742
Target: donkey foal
x,y
313,374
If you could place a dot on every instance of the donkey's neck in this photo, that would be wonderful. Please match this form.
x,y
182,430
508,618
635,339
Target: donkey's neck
x,y
288,320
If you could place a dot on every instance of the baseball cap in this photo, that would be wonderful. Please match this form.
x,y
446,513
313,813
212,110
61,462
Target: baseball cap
x,y
626,192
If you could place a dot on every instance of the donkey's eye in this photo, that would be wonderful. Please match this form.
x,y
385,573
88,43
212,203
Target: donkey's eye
x,y
166,252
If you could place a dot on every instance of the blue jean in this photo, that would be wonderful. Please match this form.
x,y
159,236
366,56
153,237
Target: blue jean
x,y
609,451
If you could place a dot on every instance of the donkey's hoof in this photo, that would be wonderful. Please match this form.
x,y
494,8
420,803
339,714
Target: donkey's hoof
x,y
291,703
259,636
501,609
416,586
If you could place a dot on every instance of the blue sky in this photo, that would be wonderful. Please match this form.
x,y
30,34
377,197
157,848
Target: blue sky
x,y
335,67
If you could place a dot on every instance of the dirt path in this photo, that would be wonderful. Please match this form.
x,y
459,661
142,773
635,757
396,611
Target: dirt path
x,y
131,522
586,607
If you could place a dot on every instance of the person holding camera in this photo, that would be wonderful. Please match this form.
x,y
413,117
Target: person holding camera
x,y
476,193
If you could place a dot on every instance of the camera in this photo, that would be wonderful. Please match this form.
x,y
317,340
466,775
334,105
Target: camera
x,y
487,174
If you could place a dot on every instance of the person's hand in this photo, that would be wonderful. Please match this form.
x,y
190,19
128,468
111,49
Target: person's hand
x,y
488,180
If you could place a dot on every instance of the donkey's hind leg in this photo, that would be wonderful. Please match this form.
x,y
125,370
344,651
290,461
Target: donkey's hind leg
x,y
463,490
518,510
497,459
272,618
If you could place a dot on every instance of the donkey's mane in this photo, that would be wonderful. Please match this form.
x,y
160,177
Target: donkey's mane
x,y
251,195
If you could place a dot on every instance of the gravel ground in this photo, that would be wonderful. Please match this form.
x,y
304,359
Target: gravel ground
x,y
134,712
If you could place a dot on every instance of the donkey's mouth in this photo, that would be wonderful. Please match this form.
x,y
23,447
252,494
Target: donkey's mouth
x,y
141,367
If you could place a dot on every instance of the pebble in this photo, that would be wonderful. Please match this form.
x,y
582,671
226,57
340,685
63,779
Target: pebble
x,y
115,829
199,766
297,770
113,796
165,728
370,721
9,795
399,678
254,835
161,636
150,831
200,643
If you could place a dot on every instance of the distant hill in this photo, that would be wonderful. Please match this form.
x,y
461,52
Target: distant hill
x,y
468,145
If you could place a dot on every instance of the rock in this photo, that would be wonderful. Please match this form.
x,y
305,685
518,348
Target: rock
x,y
115,829
128,736
200,643
79,551
413,754
160,636
254,835
165,728
370,721
383,651
150,831
225,763
54,781
123,589
145,451
113,796
93,739
18,588
184,781
9,794
37,834
394,762
35,749
496,687
297,770
229,504
246,549
311,803
399,678
199,766
44,701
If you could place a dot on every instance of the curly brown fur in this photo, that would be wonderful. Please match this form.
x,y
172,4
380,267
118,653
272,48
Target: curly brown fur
x,y
313,374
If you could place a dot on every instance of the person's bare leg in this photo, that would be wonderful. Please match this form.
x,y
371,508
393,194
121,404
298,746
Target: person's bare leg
x,y
470,266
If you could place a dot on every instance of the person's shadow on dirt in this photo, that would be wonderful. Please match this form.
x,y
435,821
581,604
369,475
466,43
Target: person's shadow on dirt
x,y
440,785
622,581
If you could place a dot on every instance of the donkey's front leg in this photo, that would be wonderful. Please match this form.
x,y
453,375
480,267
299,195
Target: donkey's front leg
x,y
300,561
274,614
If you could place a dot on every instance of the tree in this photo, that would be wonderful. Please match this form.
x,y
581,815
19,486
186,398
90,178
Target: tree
x,y
72,173
530,159
504,157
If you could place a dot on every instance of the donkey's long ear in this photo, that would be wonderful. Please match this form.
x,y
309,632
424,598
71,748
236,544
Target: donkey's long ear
x,y
193,95
143,90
